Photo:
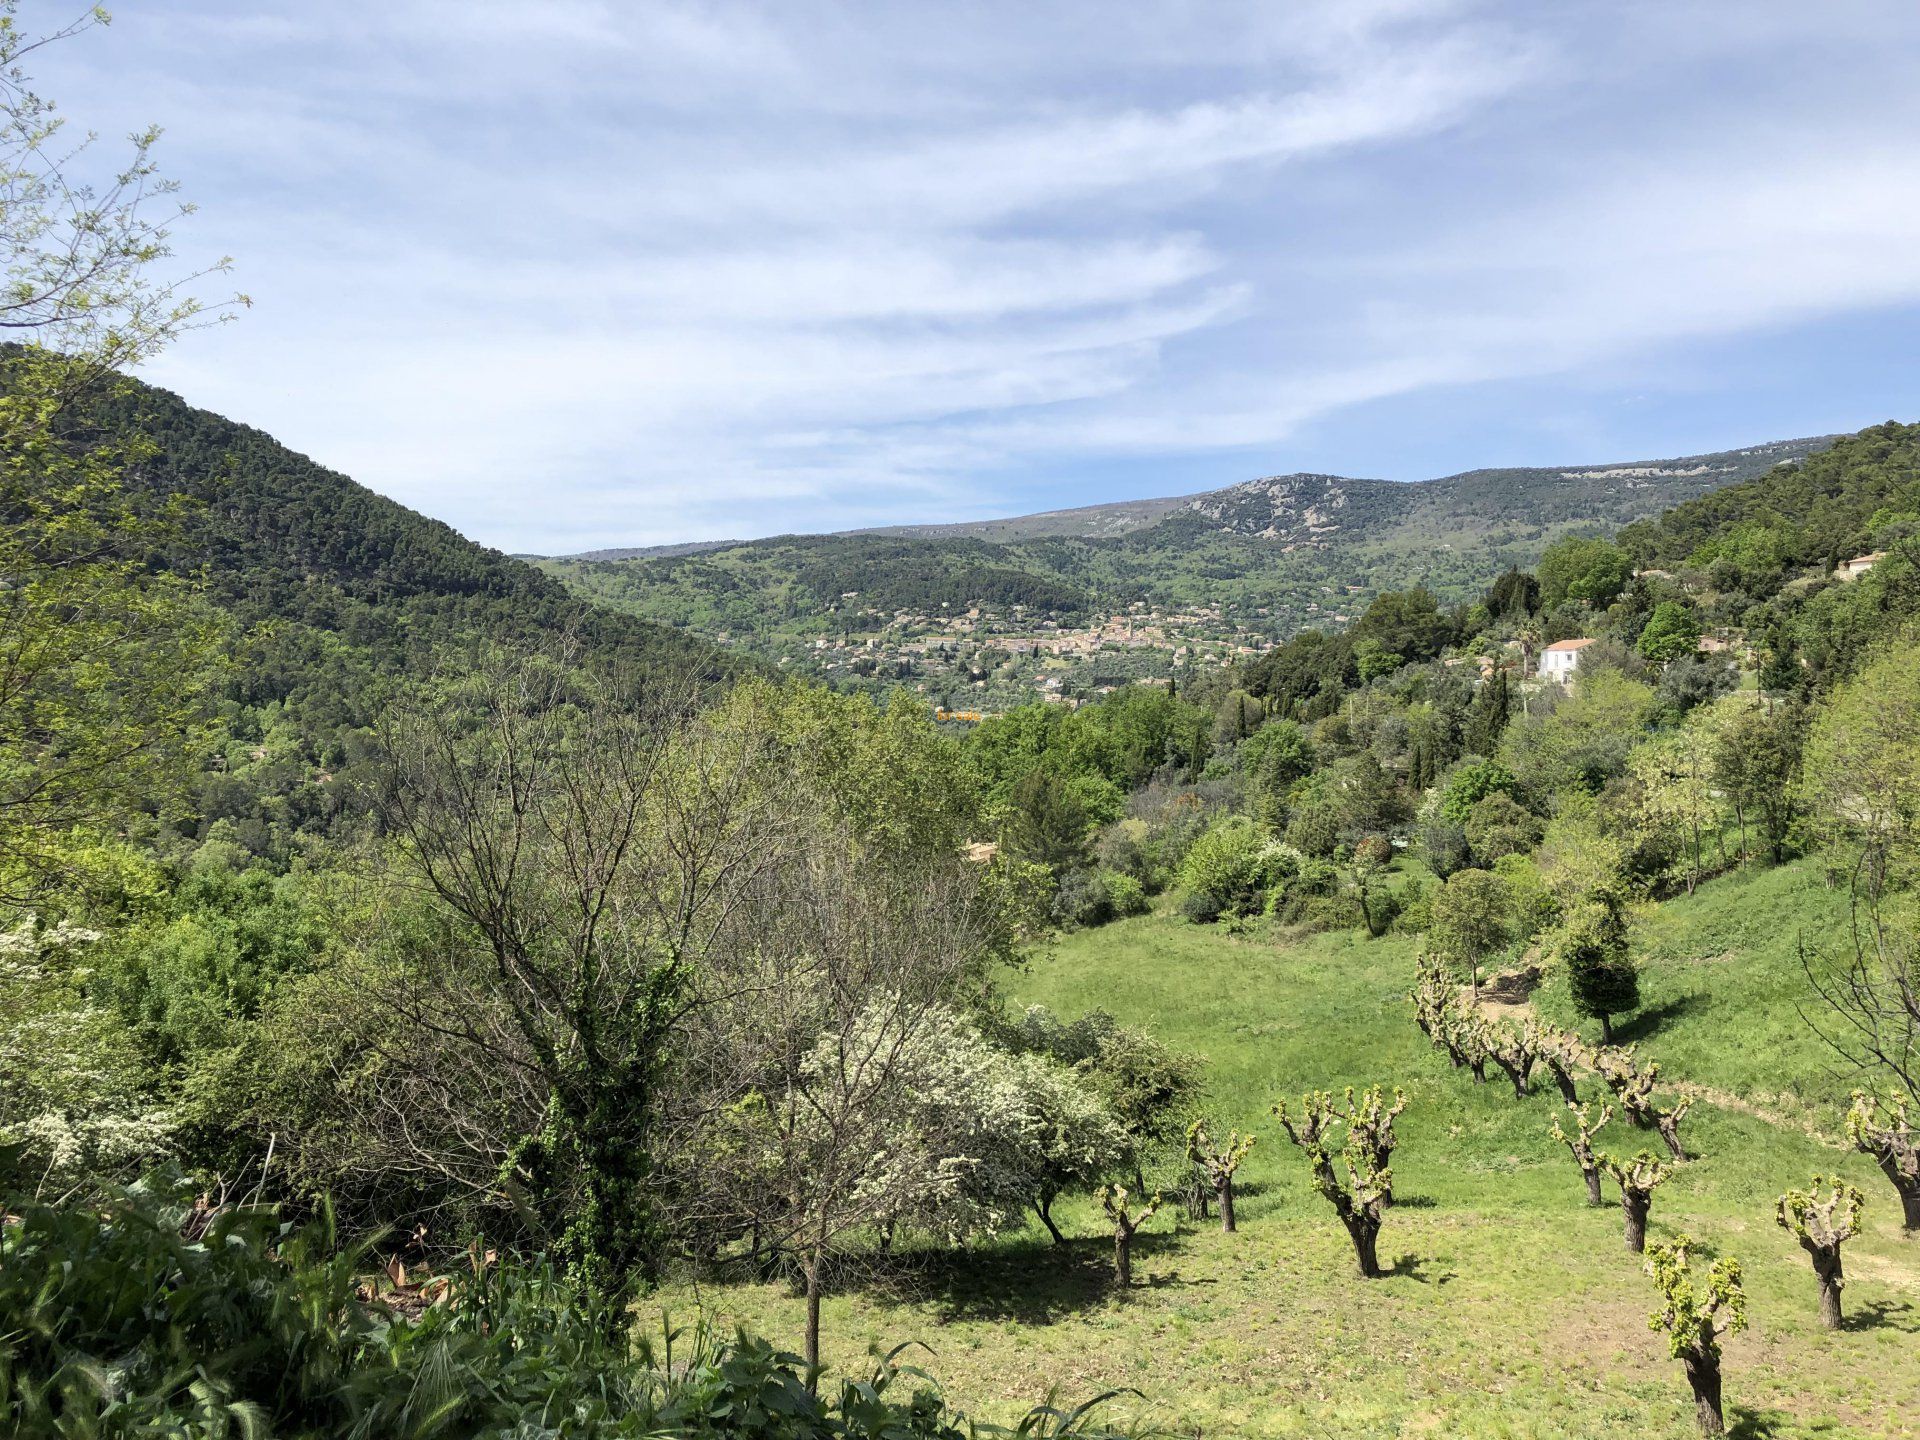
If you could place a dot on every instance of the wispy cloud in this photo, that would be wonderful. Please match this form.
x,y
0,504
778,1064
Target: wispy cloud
x,y
589,273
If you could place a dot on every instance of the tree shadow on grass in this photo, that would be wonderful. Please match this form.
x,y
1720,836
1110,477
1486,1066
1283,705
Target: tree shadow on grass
x,y
1749,1424
1882,1315
1414,1267
1028,1284
1643,1023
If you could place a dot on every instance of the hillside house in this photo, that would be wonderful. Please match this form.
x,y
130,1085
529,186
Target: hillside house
x,y
1860,564
1560,659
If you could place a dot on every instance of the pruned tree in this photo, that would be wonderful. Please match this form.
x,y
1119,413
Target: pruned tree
x,y
1218,1163
1633,1087
1434,1008
1885,1133
1637,1179
1822,1218
1563,1053
1370,1129
1113,1200
1580,1142
1513,1050
1694,1319
1367,1190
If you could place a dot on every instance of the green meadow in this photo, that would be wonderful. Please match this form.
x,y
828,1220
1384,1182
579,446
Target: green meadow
x,y
1511,1309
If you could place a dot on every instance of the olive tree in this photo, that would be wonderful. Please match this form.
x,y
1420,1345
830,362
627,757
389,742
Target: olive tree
x,y
1633,1087
1885,1133
1637,1179
1822,1218
1694,1316
1363,1195
1114,1200
1580,1143
1218,1163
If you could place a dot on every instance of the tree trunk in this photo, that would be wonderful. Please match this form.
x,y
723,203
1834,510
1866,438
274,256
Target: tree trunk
x,y
1479,1066
1592,1174
1227,1225
1365,1231
1606,1028
1563,1077
1520,1077
1909,1191
1045,1207
1826,1268
814,1264
1669,1129
1123,1257
1634,1204
1703,1374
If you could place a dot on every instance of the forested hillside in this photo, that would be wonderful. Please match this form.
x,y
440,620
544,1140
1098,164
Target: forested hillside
x,y
1261,560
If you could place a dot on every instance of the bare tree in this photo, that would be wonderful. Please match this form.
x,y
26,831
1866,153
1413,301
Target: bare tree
x,y
1113,1200
1633,1087
1694,1321
1217,1163
1894,1144
1869,995
1822,1223
1580,1142
589,845
1637,1179
1362,1198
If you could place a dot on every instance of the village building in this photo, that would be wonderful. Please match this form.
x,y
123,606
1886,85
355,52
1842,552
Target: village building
x,y
1860,564
1560,659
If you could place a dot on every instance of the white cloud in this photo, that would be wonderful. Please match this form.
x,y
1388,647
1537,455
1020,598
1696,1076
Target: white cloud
x,y
597,273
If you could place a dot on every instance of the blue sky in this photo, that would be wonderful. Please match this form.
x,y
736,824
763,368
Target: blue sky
x,y
571,274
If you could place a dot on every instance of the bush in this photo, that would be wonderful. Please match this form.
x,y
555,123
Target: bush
x,y
1499,826
1129,896
1199,907
1227,866
154,1318
1082,900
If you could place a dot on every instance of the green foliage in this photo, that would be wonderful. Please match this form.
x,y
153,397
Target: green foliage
x,y
1592,945
1228,867
154,1316
1470,783
1499,826
1472,920
1595,571
1672,631
1694,1317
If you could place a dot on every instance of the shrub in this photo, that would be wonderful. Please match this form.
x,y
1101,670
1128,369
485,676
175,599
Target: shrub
x,y
1082,900
1199,907
154,1317
1128,895
1227,866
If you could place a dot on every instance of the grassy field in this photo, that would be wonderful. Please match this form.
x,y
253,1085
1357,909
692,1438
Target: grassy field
x,y
1512,1310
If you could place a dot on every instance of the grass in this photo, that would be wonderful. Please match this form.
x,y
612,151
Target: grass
x,y
1512,1310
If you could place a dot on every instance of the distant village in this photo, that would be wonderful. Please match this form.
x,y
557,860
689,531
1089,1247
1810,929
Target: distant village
x,y
983,660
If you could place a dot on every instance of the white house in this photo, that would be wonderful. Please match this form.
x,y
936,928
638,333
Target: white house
x,y
1560,659
1860,564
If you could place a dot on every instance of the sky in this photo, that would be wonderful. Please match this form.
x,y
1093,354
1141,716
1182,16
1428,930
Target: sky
x,y
572,274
